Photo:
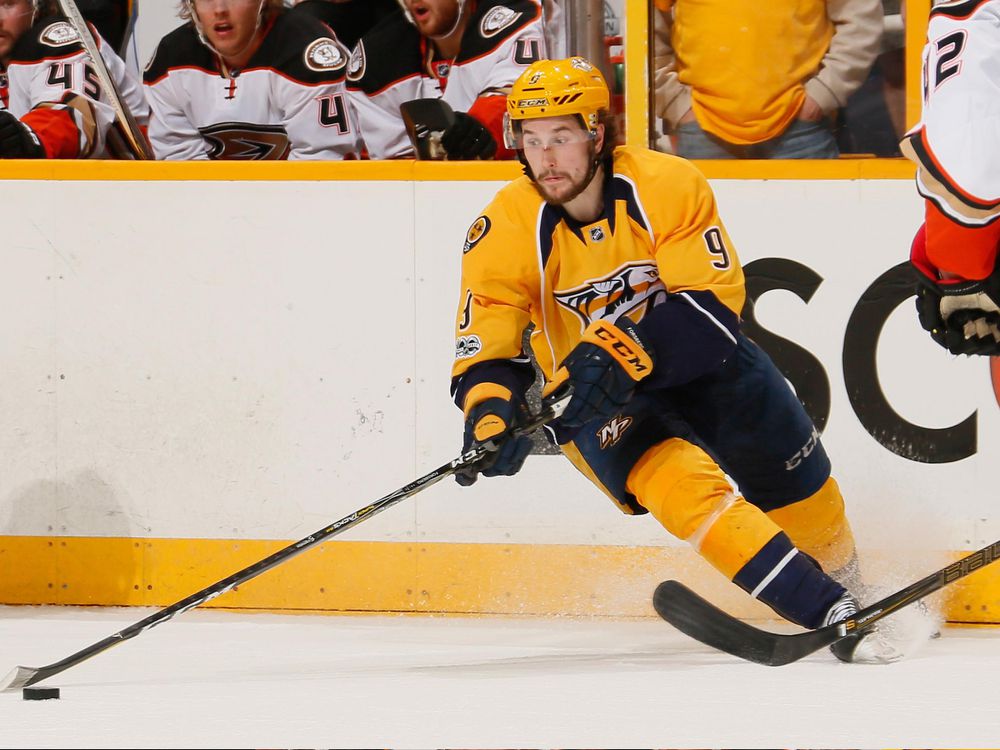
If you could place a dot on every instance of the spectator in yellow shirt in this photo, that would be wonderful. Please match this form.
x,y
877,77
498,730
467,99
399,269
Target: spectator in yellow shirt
x,y
760,80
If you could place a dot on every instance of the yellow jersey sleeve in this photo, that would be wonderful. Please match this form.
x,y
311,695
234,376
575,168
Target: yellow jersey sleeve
x,y
499,291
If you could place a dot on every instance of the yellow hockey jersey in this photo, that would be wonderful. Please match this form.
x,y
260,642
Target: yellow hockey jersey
x,y
659,254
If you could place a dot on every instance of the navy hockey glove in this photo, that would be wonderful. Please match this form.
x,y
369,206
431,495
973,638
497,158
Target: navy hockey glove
x,y
17,140
603,370
962,316
467,138
492,420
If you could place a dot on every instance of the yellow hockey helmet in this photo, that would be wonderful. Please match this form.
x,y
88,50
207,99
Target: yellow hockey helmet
x,y
552,88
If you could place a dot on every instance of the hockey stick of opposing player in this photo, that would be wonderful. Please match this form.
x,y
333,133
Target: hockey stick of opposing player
x,y
21,677
703,621
130,130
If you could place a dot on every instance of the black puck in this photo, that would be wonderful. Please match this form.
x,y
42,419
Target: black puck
x,y
40,694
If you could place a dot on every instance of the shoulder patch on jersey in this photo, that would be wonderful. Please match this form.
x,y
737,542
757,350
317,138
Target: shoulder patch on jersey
x,y
323,55
467,346
356,66
476,232
496,20
59,34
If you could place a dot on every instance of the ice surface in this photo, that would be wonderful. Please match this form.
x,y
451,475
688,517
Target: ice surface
x,y
226,679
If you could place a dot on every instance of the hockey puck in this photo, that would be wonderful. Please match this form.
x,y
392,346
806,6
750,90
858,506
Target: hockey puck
x,y
40,694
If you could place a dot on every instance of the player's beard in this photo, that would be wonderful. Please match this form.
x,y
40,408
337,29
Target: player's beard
x,y
575,187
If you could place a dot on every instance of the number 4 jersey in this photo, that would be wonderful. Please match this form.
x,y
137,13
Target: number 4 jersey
x,y
287,103
55,90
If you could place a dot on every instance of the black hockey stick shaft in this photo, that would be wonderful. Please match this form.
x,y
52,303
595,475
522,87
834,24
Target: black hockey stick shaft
x,y
703,621
21,677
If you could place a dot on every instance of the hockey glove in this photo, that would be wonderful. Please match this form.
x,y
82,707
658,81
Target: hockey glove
x,y
17,140
603,370
962,316
467,138
491,421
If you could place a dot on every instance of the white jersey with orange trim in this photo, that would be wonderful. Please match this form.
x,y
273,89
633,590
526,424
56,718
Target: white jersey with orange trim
x,y
956,145
393,64
289,102
54,89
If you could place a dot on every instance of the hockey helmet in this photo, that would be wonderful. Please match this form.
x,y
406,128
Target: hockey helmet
x,y
553,88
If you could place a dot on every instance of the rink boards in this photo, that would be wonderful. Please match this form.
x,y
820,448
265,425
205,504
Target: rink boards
x,y
203,359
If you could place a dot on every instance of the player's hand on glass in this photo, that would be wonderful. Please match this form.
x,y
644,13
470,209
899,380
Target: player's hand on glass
x,y
603,370
468,139
491,422
961,315
17,140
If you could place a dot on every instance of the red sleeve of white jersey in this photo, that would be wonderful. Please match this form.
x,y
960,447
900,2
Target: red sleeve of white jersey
x,y
489,110
968,252
57,131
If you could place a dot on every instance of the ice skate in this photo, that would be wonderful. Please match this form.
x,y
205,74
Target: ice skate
x,y
871,646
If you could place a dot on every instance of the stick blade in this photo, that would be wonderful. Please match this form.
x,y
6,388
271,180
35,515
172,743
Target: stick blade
x,y
18,678
703,621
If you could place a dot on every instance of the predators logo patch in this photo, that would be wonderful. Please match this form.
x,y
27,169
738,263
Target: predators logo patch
x,y
476,232
631,290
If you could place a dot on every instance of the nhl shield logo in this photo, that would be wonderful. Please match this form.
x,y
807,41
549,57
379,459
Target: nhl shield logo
x,y
596,234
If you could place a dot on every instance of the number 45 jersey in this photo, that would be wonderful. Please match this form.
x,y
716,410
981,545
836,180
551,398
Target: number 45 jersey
x,y
287,103
55,90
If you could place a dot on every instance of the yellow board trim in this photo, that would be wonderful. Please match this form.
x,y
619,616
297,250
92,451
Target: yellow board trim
x,y
419,171
523,579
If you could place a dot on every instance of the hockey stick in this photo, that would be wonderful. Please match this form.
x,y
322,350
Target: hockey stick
x,y
21,677
128,127
703,621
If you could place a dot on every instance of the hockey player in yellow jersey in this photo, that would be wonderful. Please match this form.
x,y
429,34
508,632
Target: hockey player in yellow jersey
x,y
618,259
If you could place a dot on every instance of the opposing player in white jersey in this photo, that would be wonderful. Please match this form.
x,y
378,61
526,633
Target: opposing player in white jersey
x,y
956,147
466,52
55,106
245,80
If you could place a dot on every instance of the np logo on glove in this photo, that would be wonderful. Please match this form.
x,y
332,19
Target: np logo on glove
x,y
603,371
490,422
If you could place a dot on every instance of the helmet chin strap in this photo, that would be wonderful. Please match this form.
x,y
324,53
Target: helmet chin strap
x,y
458,20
